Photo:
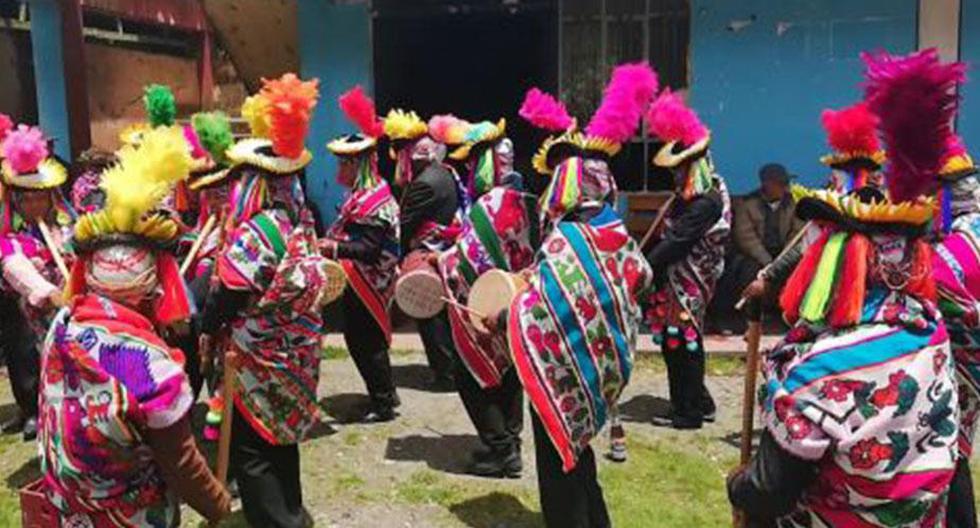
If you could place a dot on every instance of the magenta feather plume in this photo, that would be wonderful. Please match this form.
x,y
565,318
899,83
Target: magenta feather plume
x,y
197,151
915,98
954,147
626,97
670,119
24,149
6,125
359,108
544,111
851,130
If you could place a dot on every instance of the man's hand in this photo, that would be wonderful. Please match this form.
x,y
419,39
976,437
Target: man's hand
x,y
490,323
57,299
755,289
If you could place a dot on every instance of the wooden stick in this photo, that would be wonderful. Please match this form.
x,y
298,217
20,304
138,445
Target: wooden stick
x,y
752,337
205,232
55,252
661,214
228,393
463,307
792,243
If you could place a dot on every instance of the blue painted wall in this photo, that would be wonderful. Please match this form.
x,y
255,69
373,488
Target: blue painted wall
x,y
762,71
969,121
49,74
334,46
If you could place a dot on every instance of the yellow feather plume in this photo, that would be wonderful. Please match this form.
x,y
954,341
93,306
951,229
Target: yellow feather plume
x,y
144,176
400,124
255,110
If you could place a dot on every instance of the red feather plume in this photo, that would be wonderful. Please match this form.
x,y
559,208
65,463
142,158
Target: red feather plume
x,y
359,108
915,98
851,129
291,103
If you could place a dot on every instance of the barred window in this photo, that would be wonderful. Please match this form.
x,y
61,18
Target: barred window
x,y
595,36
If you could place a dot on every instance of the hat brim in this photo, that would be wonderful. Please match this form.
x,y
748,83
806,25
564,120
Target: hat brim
x,y
49,174
257,152
352,145
210,179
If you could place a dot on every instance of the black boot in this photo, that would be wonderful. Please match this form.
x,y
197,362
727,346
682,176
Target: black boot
x,y
30,429
498,464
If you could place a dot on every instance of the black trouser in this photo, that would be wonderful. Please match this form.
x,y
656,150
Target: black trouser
x,y
437,340
961,512
187,343
498,413
268,478
23,360
568,500
689,397
369,348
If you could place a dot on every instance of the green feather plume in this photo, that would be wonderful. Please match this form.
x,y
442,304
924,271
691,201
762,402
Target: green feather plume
x,y
214,131
161,107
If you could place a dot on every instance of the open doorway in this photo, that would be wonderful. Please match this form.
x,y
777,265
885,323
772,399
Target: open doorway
x,y
474,58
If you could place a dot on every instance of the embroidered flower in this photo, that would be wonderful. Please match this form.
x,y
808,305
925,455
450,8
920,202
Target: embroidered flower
x,y
603,345
798,426
552,342
586,308
556,245
838,390
867,453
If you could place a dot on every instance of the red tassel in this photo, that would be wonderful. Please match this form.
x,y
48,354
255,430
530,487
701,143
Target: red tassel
x,y
174,304
848,301
801,278
923,285
76,279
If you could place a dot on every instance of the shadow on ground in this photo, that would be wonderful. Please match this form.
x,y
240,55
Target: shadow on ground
x,y
643,408
496,510
446,453
734,439
347,407
416,377
28,472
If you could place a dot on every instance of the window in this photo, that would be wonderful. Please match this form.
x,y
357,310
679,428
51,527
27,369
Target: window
x,y
595,36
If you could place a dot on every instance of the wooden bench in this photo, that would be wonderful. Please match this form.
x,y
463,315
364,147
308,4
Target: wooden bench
x,y
642,209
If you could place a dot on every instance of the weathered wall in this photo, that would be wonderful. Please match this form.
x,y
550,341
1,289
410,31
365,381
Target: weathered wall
x,y
116,77
762,71
17,89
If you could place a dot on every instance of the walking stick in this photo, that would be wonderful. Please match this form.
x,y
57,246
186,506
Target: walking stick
x,y
661,214
228,393
55,253
753,336
205,232
789,245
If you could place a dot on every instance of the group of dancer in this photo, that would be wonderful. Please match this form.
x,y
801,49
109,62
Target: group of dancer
x,y
191,258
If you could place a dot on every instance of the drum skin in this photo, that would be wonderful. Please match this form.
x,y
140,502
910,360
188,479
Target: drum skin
x,y
491,293
419,291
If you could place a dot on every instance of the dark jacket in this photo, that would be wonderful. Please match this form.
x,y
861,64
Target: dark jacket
x,y
430,196
750,219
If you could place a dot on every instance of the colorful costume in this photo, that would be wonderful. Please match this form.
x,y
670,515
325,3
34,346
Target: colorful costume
x,y
859,399
692,251
499,231
115,440
271,289
31,279
365,238
572,332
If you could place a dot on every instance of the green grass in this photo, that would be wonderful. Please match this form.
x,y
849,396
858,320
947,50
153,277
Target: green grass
x,y
717,365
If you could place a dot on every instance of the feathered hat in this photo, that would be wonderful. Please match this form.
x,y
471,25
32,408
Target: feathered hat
x,y
672,122
852,134
27,160
546,112
213,131
915,98
484,133
402,128
6,125
160,107
628,93
360,110
957,162
448,129
279,117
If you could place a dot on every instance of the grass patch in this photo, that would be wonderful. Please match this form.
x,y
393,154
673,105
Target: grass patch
x,y
716,365
333,352
681,488
428,487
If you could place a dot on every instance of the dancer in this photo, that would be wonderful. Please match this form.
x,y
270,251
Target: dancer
x,y
365,239
115,437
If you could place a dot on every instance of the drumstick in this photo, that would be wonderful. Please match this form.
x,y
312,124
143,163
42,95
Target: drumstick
x,y
661,214
224,441
792,242
205,231
55,254
463,307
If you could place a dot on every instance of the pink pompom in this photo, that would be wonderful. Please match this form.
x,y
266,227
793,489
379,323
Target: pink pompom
x,y
544,111
447,129
197,151
627,95
24,149
669,119
6,125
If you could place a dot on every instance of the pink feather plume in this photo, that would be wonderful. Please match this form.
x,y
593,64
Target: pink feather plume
x,y
359,108
670,119
544,111
954,147
851,129
630,90
197,151
915,98
24,148
447,129
6,125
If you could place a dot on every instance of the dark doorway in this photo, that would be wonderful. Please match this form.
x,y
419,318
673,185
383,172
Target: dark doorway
x,y
473,58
